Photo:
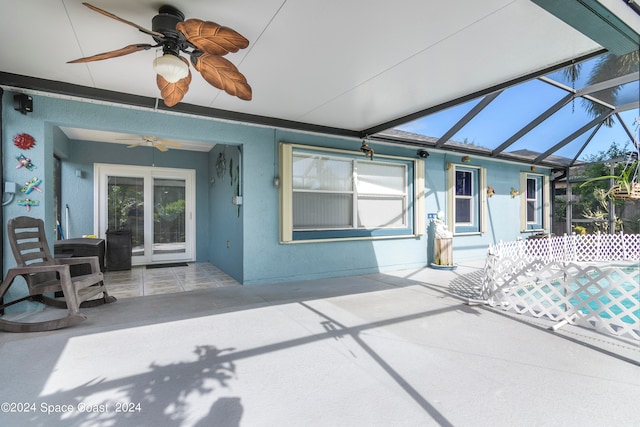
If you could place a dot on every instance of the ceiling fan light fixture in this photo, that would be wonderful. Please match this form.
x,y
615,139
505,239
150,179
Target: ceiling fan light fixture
x,y
203,42
170,67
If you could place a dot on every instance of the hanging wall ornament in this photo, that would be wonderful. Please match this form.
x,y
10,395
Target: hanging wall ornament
x,y
221,165
24,162
32,185
24,141
28,203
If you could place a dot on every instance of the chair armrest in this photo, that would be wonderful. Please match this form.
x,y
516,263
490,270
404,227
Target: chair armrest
x,y
91,260
12,273
30,269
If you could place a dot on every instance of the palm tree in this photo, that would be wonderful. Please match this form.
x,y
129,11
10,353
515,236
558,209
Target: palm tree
x,y
607,67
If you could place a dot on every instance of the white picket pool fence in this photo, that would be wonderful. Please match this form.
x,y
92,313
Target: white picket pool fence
x,y
588,280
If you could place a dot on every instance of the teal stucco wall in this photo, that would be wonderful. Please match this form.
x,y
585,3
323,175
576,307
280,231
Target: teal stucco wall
x,y
242,241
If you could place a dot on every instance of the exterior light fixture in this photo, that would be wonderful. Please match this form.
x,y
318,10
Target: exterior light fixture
x,y
170,67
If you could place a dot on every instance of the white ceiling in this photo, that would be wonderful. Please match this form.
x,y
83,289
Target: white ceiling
x,y
347,64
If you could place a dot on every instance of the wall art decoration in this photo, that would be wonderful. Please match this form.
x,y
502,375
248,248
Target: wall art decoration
x,y
29,186
28,203
24,141
24,162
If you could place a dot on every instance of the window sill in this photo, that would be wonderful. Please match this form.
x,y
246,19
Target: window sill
x,y
470,233
352,239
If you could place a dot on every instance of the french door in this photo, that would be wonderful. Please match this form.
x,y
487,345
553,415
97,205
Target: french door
x,y
156,204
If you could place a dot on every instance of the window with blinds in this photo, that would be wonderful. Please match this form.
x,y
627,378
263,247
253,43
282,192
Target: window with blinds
x,y
328,194
338,193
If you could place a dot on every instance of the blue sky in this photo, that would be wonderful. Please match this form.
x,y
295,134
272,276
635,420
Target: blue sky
x,y
517,106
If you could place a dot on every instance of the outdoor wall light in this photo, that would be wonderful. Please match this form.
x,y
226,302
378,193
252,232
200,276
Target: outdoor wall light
x,y
423,154
23,103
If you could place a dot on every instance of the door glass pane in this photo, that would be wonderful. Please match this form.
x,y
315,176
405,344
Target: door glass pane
x,y
168,216
125,209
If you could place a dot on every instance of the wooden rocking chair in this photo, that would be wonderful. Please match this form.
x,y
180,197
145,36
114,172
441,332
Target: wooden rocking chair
x,y
45,274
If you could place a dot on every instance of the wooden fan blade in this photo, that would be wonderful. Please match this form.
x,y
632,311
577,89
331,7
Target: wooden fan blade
x,y
172,93
210,37
221,73
160,147
112,54
134,145
124,21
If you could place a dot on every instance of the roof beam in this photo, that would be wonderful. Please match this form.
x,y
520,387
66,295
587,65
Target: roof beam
x,y
626,107
574,92
535,122
467,118
586,143
628,131
596,87
573,136
607,84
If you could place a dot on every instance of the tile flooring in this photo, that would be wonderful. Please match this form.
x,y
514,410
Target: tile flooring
x,y
140,281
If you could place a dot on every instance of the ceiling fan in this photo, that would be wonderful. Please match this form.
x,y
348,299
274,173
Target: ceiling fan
x,y
152,141
204,42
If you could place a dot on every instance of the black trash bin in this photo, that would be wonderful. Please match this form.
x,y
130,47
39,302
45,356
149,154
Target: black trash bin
x,y
118,249
80,248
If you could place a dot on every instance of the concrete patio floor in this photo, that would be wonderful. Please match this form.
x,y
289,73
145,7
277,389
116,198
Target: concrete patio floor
x,y
396,349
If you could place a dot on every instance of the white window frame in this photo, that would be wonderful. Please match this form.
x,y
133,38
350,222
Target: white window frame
x,y
413,201
478,202
471,198
535,200
543,204
101,173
